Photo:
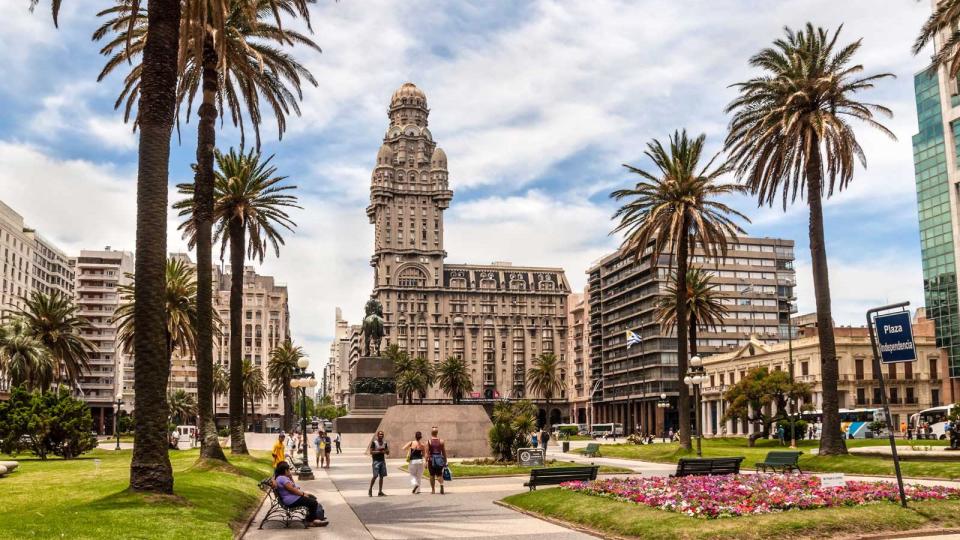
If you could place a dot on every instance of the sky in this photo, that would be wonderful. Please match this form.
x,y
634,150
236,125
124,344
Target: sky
x,y
537,105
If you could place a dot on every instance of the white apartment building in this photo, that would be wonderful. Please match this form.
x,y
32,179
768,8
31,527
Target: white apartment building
x,y
338,366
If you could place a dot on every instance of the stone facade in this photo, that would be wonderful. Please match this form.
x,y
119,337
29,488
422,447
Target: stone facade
x,y
497,317
579,383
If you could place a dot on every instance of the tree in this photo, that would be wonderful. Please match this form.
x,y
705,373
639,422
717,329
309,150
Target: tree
x,y
758,391
426,374
544,378
704,308
945,20
673,212
512,425
183,406
221,380
454,379
52,319
791,136
280,369
45,423
254,387
23,358
249,201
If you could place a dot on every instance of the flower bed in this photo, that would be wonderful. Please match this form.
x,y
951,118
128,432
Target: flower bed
x,y
740,495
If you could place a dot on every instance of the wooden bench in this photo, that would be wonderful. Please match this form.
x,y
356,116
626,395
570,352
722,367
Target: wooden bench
x,y
558,475
785,460
277,510
592,450
708,466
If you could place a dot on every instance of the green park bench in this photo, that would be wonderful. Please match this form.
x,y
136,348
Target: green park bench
x,y
785,460
277,510
558,475
592,450
708,466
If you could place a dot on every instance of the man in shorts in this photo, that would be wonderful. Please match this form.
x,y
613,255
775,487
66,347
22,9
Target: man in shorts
x,y
379,450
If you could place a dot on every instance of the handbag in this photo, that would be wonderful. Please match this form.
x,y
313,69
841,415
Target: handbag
x,y
437,461
447,475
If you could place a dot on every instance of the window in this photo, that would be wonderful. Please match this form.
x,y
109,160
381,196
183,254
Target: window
x,y
908,370
911,398
411,276
861,396
877,397
804,368
859,368
933,368
935,397
891,371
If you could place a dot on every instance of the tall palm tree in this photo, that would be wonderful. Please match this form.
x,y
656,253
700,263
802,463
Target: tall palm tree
x,y
544,378
791,135
705,308
254,387
23,358
407,384
427,375
454,379
249,67
280,369
945,21
221,380
183,406
673,211
249,202
52,319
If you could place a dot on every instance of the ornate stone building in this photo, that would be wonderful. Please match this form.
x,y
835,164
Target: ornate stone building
x,y
498,317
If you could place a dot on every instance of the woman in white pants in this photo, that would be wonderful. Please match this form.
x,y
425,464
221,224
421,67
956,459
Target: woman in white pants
x,y
416,461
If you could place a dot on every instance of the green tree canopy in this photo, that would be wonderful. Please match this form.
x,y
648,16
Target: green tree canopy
x,y
761,397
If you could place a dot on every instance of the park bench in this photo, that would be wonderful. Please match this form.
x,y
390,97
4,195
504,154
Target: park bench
x,y
781,459
277,510
592,450
558,475
708,466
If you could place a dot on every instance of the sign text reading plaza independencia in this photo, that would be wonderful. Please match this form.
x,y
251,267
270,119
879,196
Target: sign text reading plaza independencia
x,y
895,337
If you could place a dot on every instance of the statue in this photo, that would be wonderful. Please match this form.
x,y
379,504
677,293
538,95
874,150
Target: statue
x,y
372,326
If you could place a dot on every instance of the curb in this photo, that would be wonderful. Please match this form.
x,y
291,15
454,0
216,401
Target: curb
x,y
253,514
909,534
561,523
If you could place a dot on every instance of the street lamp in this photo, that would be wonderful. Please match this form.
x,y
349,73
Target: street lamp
x,y
116,419
695,377
303,380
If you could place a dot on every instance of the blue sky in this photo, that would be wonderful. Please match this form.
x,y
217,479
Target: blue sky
x,y
535,103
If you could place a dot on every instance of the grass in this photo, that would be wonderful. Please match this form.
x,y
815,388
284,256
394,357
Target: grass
x,y
469,470
634,520
736,446
88,498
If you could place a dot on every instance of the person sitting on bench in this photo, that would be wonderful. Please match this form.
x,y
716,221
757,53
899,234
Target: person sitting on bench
x,y
292,496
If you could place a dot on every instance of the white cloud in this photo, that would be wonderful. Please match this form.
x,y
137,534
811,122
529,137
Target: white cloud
x,y
67,115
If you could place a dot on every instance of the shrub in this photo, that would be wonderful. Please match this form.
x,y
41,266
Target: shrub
x,y
512,423
801,428
224,432
45,423
568,431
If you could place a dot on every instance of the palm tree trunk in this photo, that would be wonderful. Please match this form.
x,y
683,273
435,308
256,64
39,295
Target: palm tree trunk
x,y
237,425
693,335
203,220
150,468
287,407
831,440
683,395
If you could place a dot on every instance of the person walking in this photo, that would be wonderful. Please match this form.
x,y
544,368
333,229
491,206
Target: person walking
x,y
416,449
534,441
292,496
437,449
379,450
318,447
278,451
545,439
327,448
337,441
781,435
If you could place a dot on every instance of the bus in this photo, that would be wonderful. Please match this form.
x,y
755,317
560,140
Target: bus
x,y
936,417
853,422
601,430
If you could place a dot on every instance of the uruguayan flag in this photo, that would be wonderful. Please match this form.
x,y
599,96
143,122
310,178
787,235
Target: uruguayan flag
x,y
632,339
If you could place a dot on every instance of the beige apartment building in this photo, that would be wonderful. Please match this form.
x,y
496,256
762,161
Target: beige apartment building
x,y
337,370
498,317
911,386
98,275
579,384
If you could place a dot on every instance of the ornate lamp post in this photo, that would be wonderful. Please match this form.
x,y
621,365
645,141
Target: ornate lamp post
x,y
304,380
664,403
116,419
695,377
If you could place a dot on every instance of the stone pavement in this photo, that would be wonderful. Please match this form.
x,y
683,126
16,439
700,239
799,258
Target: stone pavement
x,y
465,511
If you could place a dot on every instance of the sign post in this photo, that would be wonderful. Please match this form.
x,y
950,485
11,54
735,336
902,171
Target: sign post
x,y
895,337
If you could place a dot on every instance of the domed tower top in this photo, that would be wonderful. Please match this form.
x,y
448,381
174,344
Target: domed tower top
x,y
408,105
439,159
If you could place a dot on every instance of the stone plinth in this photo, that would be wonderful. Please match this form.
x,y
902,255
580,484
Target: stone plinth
x,y
463,427
372,366
372,402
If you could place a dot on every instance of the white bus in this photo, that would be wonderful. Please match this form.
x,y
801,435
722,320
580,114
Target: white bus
x,y
854,423
600,430
936,417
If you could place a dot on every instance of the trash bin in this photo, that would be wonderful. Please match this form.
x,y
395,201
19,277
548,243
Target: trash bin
x,y
566,446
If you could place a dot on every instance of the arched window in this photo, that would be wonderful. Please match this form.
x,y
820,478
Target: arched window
x,y
411,276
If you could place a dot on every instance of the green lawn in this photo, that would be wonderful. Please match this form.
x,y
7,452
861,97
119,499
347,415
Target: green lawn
x,y
460,470
634,520
735,446
81,499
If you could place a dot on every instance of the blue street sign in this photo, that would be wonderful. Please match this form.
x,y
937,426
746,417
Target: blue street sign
x,y
895,337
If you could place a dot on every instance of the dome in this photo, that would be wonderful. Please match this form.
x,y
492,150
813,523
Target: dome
x,y
408,94
385,155
439,159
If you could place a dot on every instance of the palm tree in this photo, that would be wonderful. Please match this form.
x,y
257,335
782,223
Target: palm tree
x,y
280,369
254,387
221,380
704,306
454,379
944,20
673,212
544,378
426,374
408,383
23,358
791,135
183,406
52,319
249,67
248,201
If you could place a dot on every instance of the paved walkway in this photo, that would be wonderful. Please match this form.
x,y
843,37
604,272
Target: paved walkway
x,y
465,511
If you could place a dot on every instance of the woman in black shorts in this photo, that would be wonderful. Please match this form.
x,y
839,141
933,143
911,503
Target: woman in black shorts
x,y
437,461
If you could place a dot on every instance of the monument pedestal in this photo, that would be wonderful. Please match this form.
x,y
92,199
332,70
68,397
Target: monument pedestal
x,y
366,409
464,428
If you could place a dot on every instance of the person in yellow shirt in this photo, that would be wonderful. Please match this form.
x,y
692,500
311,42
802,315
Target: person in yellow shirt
x,y
277,452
